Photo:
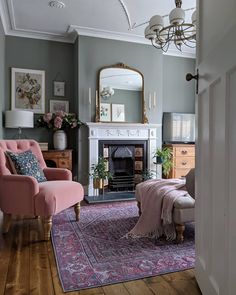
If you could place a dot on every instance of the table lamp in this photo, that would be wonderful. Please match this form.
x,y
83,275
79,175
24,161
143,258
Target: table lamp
x,y
19,119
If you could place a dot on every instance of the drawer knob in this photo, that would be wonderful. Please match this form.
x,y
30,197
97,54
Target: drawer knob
x,y
184,152
184,163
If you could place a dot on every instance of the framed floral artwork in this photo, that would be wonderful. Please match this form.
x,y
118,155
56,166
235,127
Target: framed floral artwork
x,y
59,105
59,88
28,90
105,112
118,112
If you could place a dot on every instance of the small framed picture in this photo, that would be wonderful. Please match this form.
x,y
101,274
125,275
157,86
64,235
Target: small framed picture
x,y
59,105
118,112
105,112
59,88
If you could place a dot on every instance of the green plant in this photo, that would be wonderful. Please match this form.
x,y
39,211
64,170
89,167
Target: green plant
x,y
164,157
147,174
99,170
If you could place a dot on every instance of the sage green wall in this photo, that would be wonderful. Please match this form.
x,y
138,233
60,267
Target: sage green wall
x,y
79,64
178,94
95,53
2,76
132,101
53,58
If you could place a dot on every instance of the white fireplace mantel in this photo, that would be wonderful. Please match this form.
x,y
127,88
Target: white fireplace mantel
x,y
122,131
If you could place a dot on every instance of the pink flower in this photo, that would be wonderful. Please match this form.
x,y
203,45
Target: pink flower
x,y
57,122
60,114
47,117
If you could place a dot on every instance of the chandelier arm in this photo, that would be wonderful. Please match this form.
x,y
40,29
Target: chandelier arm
x,y
185,43
153,44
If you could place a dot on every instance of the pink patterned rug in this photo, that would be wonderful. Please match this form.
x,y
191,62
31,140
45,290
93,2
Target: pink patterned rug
x,y
92,252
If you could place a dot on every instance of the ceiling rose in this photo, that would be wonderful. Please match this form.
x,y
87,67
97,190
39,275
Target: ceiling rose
x,y
56,4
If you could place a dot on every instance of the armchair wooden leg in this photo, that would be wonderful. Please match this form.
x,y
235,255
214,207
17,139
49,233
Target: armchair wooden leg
x,y
47,225
6,223
180,232
139,208
77,211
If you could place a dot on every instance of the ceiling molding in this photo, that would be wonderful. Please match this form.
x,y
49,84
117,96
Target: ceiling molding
x,y
8,20
92,32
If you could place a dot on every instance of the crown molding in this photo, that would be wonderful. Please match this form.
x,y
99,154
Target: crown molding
x,y
92,32
10,29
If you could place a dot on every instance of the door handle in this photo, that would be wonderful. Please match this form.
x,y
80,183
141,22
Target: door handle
x,y
189,77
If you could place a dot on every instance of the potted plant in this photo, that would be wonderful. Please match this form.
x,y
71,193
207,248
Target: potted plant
x,y
164,157
100,173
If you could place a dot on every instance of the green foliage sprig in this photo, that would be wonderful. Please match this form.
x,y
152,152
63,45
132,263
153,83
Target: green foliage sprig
x,y
99,169
165,156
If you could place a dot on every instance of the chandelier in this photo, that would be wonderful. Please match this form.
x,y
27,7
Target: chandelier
x,y
107,92
177,32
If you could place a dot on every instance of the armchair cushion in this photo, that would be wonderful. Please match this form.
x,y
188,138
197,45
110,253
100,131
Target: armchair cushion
x,y
26,164
55,196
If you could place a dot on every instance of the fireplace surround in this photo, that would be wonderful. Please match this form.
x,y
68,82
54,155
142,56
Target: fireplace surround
x,y
116,133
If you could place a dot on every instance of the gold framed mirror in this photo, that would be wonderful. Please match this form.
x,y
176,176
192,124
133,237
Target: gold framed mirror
x,y
120,96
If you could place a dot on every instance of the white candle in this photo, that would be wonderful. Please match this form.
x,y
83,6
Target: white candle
x,y
149,101
96,96
89,95
154,99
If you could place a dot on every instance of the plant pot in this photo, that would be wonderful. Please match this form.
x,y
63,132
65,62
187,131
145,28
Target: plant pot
x,y
98,183
59,140
159,160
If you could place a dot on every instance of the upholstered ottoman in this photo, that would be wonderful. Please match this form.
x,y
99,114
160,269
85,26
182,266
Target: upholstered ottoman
x,y
183,207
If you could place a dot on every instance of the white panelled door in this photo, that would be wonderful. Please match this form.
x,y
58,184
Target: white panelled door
x,y
216,148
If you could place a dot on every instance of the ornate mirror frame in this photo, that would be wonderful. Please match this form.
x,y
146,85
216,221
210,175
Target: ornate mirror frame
x,y
98,101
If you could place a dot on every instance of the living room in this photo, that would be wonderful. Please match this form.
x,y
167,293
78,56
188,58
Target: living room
x,y
75,60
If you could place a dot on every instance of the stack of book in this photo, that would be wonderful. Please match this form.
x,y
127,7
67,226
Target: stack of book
x,y
43,146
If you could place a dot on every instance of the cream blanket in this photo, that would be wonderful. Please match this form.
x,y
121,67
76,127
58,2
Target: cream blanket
x,y
157,197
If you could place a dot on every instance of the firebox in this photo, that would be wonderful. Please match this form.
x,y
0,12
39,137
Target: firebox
x,y
126,161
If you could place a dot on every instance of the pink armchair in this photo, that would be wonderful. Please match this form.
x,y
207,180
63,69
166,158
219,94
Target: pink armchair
x,y
23,195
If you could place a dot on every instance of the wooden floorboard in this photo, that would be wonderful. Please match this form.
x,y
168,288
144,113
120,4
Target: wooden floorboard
x,y
27,266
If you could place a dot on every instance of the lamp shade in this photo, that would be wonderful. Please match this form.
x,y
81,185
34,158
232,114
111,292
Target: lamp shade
x,y
17,118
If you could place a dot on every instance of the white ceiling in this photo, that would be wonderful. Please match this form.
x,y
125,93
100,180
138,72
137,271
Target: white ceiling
x,y
98,18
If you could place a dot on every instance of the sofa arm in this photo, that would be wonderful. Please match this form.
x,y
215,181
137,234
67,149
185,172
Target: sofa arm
x,y
57,174
17,194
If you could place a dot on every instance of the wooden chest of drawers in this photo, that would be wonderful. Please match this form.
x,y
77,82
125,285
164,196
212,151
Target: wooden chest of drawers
x,y
183,159
59,159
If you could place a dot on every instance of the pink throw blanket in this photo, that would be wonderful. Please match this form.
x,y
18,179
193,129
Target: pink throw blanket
x,y
157,197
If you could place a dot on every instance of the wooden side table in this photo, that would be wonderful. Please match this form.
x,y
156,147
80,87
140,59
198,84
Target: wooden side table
x,y
61,159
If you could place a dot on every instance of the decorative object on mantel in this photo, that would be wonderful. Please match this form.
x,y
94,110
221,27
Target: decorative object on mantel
x,y
177,32
28,90
58,122
126,82
105,112
145,119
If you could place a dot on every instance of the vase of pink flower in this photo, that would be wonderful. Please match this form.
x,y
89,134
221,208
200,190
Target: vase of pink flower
x,y
59,122
60,140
